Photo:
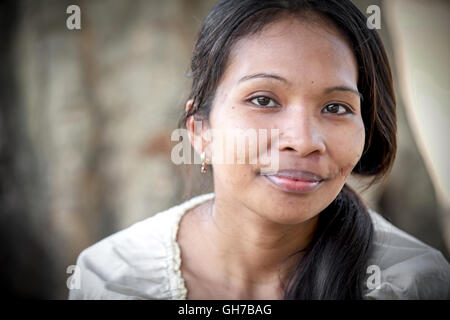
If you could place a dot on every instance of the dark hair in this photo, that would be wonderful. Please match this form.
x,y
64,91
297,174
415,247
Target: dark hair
x,y
334,264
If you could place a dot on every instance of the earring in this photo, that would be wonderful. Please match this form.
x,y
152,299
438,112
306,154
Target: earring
x,y
204,162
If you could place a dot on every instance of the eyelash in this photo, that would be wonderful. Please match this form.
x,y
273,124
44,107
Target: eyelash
x,y
348,109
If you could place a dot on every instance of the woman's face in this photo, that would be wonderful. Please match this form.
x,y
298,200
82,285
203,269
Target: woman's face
x,y
310,94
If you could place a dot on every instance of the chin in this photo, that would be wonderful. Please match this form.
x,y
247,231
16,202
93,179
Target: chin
x,y
288,216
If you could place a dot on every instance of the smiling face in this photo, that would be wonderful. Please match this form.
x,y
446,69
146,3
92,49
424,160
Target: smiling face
x,y
299,77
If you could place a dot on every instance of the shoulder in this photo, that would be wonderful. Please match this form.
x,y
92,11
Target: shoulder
x,y
126,264
139,262
409,268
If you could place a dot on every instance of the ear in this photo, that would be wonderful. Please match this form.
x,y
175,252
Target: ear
x,y
197,131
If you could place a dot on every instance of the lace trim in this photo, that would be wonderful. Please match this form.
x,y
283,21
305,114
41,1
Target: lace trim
x,y
179,285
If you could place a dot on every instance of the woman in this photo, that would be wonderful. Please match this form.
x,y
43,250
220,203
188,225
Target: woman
x,y
317,75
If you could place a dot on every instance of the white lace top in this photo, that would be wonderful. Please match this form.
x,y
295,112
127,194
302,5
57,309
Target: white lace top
x,y
143,262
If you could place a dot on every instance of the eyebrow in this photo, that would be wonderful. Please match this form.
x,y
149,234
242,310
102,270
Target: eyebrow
x,y
263,75
279,78
344,88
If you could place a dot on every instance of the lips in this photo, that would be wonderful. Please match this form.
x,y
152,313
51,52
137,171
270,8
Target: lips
x,y
298,175
295,181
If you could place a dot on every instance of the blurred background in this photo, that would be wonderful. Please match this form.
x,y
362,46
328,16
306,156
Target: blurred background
x,y
86,117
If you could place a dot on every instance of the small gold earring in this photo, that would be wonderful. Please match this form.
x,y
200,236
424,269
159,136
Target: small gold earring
x,y
204,162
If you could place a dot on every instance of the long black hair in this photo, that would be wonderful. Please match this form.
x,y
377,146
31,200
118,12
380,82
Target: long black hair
x,y
334,264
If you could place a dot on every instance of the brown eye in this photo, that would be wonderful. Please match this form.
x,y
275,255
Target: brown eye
x,y
336,109
263,101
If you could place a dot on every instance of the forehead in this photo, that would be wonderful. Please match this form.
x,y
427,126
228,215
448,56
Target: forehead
x,y
306,51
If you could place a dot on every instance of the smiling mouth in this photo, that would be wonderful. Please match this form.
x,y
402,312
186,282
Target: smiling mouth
x,y
294,184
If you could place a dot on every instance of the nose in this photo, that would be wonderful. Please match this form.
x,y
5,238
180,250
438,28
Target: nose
x,y
301,132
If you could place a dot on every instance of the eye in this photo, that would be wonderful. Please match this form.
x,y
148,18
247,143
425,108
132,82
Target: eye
x,y
264,102
336,108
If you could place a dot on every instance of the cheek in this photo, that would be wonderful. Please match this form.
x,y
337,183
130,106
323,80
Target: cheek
x,y
236,136
347,148
235,164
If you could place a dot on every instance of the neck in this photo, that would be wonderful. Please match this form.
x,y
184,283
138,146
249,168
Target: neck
x,y
252,250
